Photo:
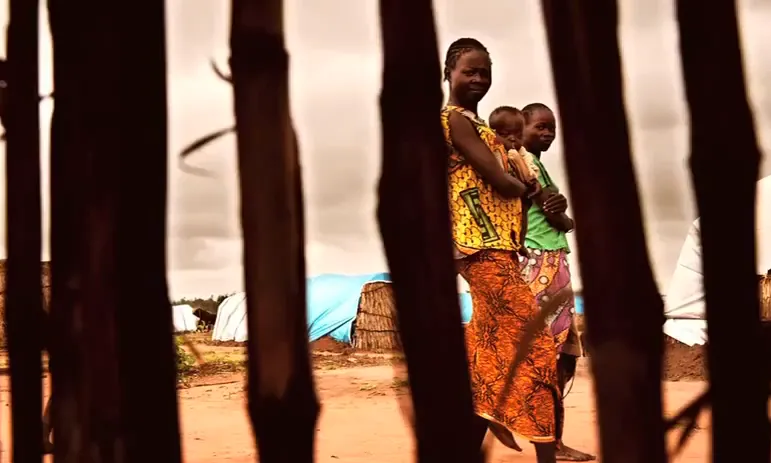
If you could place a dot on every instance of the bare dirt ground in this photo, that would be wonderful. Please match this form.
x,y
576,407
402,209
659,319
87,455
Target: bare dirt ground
x,y
365,399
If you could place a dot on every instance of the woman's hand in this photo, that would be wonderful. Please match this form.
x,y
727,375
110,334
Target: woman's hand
x,y
558,220
534,189
555,204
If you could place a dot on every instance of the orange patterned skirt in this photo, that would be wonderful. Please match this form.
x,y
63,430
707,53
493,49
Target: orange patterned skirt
x,y
503,306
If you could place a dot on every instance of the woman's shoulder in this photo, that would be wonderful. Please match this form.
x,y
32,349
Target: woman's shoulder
x,y
449,110
455,118
454,115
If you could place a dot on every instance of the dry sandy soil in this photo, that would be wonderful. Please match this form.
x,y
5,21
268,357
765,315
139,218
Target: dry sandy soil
x,y
362,418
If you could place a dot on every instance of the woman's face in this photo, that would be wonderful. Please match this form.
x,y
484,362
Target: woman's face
x,y
471,78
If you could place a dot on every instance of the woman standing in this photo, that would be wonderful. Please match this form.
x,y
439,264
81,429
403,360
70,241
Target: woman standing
x,y
486,201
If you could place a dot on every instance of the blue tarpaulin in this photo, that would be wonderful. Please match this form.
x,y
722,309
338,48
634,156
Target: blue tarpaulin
x,y
579,304
333,303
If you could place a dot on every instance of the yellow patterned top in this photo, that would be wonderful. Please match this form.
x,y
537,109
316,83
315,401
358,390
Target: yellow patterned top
x,y
481,218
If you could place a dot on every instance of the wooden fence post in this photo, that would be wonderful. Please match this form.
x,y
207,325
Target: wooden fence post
x,y
624,312
414,218
282,401
725,170
23,301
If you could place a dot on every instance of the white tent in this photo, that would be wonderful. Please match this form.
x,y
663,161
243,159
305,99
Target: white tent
x,y
184,319
230,324
685,296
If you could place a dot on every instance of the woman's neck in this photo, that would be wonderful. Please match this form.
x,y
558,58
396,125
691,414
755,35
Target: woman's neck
x,y
469,106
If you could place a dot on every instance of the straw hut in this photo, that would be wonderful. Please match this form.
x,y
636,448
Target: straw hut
x,y
375,327
46,280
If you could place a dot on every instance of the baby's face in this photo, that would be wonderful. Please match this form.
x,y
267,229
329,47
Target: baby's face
x,y
511,128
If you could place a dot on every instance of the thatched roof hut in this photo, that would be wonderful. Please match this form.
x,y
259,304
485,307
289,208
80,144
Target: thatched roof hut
x,y
46,280
375,327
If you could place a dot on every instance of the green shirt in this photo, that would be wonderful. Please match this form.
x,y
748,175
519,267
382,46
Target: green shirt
x,y
540,233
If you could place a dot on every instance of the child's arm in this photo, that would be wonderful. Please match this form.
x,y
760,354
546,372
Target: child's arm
x,y
519,170
533,188
559,221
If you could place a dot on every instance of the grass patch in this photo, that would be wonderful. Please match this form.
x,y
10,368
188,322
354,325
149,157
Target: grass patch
x,y
185,360
190,367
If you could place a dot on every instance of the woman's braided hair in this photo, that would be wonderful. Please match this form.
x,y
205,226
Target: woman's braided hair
x,y
457,49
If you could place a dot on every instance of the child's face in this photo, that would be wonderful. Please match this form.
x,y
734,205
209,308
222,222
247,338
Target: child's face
x,y
540,131
511,128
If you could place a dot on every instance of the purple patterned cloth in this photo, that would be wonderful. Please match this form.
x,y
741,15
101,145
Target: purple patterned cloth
x,y
547,273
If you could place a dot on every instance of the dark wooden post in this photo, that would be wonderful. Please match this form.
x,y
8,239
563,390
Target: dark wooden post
x,y
724,167
67,168
70,172
108,236
414,221
282,401
23,298
147,369
624,312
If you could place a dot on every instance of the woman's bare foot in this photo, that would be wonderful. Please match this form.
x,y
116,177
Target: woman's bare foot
x,y
565,453
504,435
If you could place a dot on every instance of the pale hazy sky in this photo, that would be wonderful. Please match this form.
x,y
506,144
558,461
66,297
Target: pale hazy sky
x,y
335,53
